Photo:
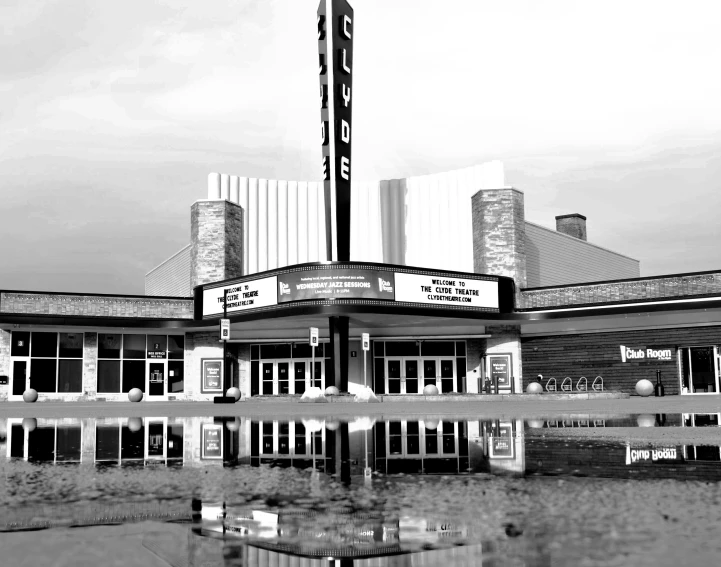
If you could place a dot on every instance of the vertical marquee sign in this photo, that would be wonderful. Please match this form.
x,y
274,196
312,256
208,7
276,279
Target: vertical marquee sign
x,y
335,49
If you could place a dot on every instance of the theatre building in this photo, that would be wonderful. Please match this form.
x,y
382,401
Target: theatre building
x,y
454,287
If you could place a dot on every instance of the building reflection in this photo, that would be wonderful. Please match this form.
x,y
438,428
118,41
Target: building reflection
x,y
354,453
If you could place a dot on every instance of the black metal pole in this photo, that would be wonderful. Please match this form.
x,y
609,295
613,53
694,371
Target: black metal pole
x,y
225,343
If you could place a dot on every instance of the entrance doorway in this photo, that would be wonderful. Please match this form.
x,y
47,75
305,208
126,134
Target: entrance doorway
x,y
156,376
292,377
19,376
700,369
409,375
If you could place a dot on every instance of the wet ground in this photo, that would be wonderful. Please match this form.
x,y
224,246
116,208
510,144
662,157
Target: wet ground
x,y
404,486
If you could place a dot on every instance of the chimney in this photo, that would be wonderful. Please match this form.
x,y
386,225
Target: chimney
x,y
572,225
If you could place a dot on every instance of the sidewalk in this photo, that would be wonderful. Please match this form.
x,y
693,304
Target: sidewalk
x,y
455,409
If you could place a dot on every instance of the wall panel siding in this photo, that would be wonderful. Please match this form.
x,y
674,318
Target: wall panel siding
x,y
553,258
598,354
172,277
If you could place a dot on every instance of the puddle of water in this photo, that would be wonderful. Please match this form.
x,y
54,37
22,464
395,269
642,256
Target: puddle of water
x,y
568,490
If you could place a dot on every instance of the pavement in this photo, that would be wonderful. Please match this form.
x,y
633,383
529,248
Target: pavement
x,y
520,407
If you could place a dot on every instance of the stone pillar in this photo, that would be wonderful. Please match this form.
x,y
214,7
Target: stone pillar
x,y
216,241
499,233
90,365
5,342
506,339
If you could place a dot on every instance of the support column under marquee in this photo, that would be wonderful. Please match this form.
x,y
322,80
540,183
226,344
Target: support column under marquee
x,y
338,331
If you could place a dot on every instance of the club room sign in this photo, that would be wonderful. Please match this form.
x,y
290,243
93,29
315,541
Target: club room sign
x,y
346,282
645,353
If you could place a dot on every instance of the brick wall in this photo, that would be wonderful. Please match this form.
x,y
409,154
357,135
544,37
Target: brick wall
x,y
5,362
216,241
94,306
499,234
598,354
90,364
678,286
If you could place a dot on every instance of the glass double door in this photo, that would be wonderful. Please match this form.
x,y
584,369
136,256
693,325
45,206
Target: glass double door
x,y
411,375
290,376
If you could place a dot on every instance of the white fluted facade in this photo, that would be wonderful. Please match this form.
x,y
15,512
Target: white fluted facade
x,y
421,221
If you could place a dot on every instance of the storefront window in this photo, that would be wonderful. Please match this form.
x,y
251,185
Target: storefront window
x,y
20,344
176,347
133,346
123,359
109,345
55,365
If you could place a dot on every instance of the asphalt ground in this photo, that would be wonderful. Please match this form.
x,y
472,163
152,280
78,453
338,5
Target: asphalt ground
x,y
456,409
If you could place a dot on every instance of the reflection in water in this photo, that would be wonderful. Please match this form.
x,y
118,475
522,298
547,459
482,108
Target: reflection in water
x,y
265,490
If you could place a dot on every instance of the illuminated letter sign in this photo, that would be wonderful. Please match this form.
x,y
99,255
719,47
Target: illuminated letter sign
x,y
336,28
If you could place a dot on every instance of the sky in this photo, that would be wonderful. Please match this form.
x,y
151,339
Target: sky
x,y
112,114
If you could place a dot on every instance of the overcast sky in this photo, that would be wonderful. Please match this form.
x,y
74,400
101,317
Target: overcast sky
x,y
113,113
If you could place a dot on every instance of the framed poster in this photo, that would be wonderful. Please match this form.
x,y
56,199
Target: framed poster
x,y
211,375
499,366
211,441
501,444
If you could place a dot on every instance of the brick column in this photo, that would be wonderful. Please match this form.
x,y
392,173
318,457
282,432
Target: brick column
x,y
90,365
499,232
216,241
5,342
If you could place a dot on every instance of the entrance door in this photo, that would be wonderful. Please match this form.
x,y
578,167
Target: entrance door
x,y
19,377
393,385
290,376
699,370
156,378
403,375
155,439
268,375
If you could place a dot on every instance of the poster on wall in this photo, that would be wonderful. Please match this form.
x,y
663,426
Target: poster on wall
x,y
336,284
211,441
211,375
499,367
241,296
446,290
501,445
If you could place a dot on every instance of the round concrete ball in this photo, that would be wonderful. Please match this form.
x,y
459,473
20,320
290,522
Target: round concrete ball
x,y
332,425
534,388
430,390
431,424
30,396
233,425
331,391
29,424
135,395
646,420
644,388
535,423
135,424
233,393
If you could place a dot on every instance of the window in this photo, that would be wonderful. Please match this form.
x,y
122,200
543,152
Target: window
x,y
56,361
122,361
